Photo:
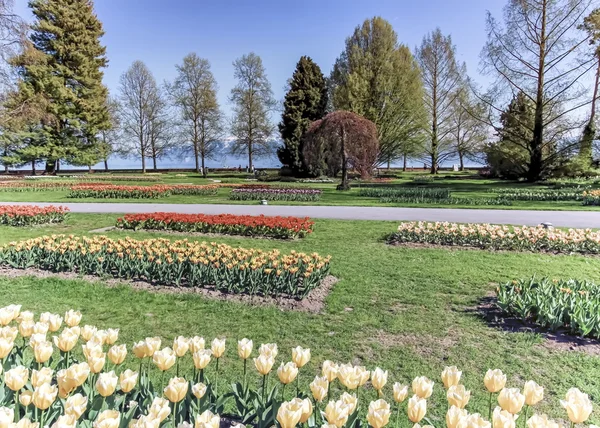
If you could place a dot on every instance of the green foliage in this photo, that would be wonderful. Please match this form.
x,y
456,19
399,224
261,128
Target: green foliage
x,y
305,102
555,304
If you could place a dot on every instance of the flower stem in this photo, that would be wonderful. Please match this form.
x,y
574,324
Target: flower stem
x,y
525,418
298,383
217,381
17,410
263,387
490,407
245,364
175,415
398,417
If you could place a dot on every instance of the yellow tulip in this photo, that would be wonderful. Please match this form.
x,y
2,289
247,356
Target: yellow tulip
x,y
351,400
54,322
417,408
65,421
43,351
159,409
78,373
7,417
176,390
330,370
533,393
300,356
40,328
337,413
379,379
196,344
96,362
107,383
400,392
511,400
76,405
42,376
140,349
475,421
25,423
128,379
72,318
25,398
92,348
67,340
87,332
108,419
16,378
164,359
451,376
207,420
37,338
287,372
199,390
112,335
422,387
245,348
378,414
99,338
494,380
264,364
180,346
6,347
44,396
503,419
152,345
6,316
145,422
578,406
117,353
9,332
455,416
319,388
289,414
458,396
268,349
217,347
201,358
349,376
26,328
363,375
542,421
307,408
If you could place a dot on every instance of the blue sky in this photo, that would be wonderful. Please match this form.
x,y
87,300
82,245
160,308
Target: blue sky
x,y
162,32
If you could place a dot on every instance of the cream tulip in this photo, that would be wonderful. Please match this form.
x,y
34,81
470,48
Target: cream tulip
x,y
180,346
400,392
96,362
140,349
199,390
117,354
196,344
26,328
25,398
494,380
67,340
76,405
300,356
159,409
40,328
503,419
78,373
578,406
6,347
533,393
6,316
244,348
43,351
112,335
87,332
541,421
458,396
363,375
108,419
455,416
42,376
107,383
307,409
127,380
176,390
378,414
268,349
164,359
152,345
65,421
25,423
217,347
16,378
54,322
422,387
25,316
289,414
451,376
201,358
417,408
349,376
351,400
475,421
337,413
287,372
511,400
330,370
44,396
9,332
319,388
72,318
379,379
207,420
264,364
7,417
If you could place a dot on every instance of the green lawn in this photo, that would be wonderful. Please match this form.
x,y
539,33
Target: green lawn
x,y
411,311
461,185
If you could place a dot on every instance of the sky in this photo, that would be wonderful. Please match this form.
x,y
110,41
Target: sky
x,y
162,32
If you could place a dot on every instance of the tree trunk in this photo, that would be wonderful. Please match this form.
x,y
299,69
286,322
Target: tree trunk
x,y
143,164
461,161
51,167
404,164
203,167
388,165
536,165
154,161
344,185
196,160
586,152
32,167
250,156
57,169
106,165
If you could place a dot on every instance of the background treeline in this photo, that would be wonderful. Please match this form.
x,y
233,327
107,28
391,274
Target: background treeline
x,y
382,103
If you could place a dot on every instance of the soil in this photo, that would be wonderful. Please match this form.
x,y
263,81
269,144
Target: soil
x,y
314,302
559,340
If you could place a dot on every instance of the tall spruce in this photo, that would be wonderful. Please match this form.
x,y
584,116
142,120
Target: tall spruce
x,y
64,66
379,79
305,102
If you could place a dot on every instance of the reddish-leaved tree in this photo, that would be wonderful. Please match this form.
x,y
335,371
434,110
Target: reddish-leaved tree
x,y
339,141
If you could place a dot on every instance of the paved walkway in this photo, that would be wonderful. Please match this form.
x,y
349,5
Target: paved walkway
x,y
580,219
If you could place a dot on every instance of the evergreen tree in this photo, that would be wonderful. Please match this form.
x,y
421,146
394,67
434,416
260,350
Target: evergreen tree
x,y
305,102
63,65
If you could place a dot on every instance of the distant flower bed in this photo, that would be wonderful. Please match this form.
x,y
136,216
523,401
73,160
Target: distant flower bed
x,y
178,263
413,193
28,215
275,194
448,201
570,194
494,237
228,224
40,186
591,197
554,304
316,180
138,192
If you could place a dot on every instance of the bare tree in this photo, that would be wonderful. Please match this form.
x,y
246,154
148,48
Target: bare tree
x,y
591,25
110,138
534,53
253,100
161,129
441,79
194,92
12,32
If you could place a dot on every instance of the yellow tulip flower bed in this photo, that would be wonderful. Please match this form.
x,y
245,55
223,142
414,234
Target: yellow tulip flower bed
x,y
496,237
78,378
179,263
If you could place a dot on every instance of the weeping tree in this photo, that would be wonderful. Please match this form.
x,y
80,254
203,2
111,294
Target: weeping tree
x,y
339,141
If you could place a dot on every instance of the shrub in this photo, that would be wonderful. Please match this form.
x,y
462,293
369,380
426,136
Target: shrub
x,y
227,224
555,304
28,215
275,194
180,263
494,237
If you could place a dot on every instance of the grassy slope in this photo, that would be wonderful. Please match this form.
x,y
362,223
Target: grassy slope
x,y
407,310
461,187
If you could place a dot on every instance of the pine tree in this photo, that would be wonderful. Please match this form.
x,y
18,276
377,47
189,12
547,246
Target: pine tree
x,y
305,102
66,70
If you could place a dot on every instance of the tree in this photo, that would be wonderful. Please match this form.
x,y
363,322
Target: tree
x,y
160,126
533,54
63,64
194,92
140,112
111,137
341,140
305,102
12,32
378,78
252,98
591,25
441,78
469,132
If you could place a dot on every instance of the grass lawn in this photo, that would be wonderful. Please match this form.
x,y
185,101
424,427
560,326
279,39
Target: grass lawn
x,y
462,186
411,311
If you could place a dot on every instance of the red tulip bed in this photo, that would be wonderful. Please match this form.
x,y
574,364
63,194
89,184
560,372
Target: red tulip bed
x,y
28,215
275,194
138,192
226,224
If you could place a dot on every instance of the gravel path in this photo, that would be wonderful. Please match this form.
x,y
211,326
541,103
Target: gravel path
x,y
580,219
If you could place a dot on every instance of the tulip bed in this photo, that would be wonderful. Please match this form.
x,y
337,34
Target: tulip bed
x,y
179,263
495,237
415,193
29,215
138,192
40,186
591,198
554,304
275,194
449,201
45,383
227,224
571,194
